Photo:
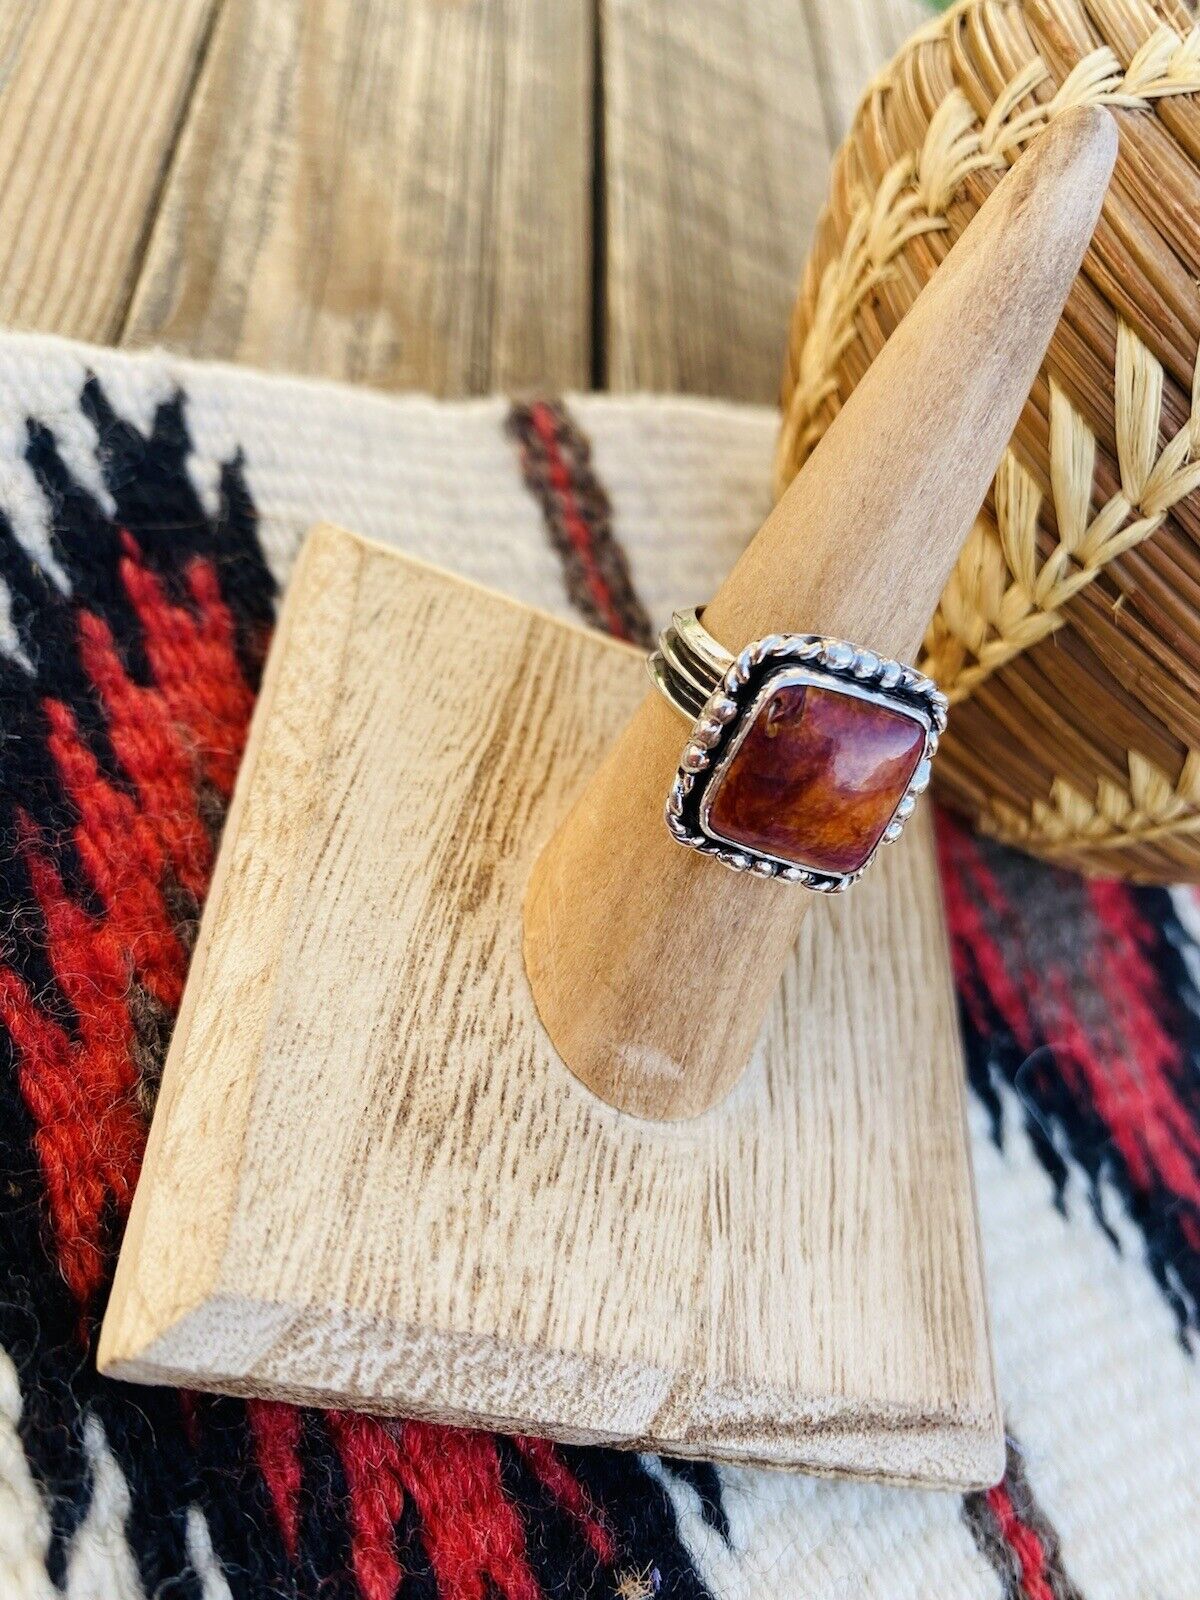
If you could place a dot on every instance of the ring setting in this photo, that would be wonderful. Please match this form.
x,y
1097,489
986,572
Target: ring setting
x,y
806,753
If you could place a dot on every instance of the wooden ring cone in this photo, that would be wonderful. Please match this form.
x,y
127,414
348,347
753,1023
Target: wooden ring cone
x,y
652,967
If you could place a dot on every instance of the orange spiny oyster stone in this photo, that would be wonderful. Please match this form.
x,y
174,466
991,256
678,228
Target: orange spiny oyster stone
x,y
816,778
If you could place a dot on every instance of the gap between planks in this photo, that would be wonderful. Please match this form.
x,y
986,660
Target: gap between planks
x,y
453,198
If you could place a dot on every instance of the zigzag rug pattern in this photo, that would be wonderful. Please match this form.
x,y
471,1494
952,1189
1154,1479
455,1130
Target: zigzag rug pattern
x,y
134,635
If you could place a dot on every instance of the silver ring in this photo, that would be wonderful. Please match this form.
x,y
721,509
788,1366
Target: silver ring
x,y
806,753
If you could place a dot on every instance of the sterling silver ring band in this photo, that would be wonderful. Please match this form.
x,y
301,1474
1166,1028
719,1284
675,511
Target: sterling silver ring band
x,y
689,663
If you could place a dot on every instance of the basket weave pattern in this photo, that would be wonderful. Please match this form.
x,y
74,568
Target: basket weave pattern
x,y
1069,634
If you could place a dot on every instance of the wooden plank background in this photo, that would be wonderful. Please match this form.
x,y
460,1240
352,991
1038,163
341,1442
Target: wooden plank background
x,y
483,194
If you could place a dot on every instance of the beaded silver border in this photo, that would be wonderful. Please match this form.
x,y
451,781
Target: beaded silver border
x,y
731,707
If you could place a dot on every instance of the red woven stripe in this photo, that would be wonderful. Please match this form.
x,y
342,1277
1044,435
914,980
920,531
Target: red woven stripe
x,y
1024,1543
967,888
193,657
473,1534
80,1092
1133,1083
276,1432
557,467
551,1471
82,1089
374,1467
122,854
151,750
573,521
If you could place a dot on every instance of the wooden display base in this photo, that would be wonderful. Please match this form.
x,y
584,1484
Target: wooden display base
x,y
372,1183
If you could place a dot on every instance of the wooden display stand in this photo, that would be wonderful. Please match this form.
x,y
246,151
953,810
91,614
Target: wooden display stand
x,y
371,1181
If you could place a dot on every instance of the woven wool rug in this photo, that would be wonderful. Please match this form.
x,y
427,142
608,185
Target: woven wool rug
x,y
149,511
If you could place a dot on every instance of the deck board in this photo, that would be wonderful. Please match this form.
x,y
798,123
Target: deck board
x,y
396,193
92,96
461,198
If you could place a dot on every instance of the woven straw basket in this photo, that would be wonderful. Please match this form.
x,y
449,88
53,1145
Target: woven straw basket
x,y
1069,634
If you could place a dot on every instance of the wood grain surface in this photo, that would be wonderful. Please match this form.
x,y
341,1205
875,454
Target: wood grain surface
x,y
391,192
455,197
851,39
370,1182
716,160
92,96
